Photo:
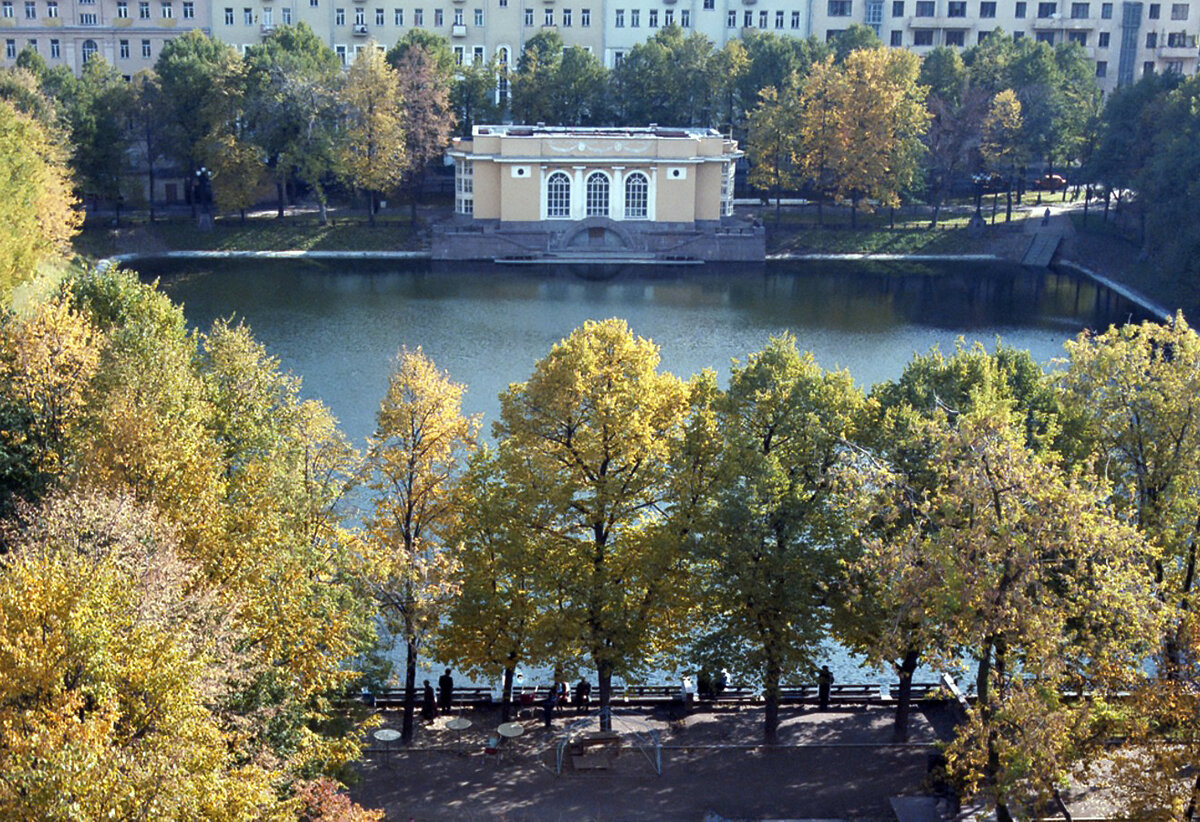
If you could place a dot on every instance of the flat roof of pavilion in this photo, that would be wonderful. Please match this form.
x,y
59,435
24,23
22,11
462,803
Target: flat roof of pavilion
x,y
541,130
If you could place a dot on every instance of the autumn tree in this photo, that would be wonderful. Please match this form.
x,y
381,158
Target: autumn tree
x,y
769,546
428,116
371,150
590,438
771,142
420,440
1023,568
36,205
496,620
112,659
882,615
1000,145
46,363
236,168
207,431
860,125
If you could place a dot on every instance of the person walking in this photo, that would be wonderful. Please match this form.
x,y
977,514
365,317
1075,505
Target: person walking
x,y
445,692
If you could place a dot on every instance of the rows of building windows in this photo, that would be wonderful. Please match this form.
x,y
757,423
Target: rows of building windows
x,y
652,18
987,9
565,18
597,199
764,19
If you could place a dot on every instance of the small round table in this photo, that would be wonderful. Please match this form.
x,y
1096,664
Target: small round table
x,y
511,730
387,736
458,725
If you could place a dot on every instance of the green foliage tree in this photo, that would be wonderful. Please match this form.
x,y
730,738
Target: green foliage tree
x,y
770,544
201,86
880,615
557,85
669,79
772,141
281,76
589,438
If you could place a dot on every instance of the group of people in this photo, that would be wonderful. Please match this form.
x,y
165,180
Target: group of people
x,y
559,695
444,699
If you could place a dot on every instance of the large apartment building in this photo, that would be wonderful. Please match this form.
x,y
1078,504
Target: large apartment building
x,y
629,22
129,34
1124,39
478,30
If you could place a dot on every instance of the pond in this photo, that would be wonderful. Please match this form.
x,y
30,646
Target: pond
x,y
339,325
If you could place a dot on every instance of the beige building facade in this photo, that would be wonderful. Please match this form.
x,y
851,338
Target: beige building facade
x,y
1124,40
129,34
477,30
527,191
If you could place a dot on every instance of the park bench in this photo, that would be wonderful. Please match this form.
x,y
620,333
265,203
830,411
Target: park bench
x,y
596,751
392,699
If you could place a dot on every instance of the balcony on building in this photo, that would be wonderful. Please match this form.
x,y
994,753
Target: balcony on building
x,y
360,30
1178,47
941,21
266,28
458,30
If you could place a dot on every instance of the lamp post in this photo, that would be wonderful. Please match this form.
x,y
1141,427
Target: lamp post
x,y
203,197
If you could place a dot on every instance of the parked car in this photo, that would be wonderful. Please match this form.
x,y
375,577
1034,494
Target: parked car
x,y
1049,182
990,183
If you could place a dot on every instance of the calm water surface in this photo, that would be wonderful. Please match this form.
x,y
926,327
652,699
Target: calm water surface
x,y
339,325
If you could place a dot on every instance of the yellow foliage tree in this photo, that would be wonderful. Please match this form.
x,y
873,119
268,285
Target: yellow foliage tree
x,y
110,661
371,146
420,440
861,123
37,208
590,438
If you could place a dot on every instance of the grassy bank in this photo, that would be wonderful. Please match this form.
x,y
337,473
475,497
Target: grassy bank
x,y
255,234
1109,250
801,230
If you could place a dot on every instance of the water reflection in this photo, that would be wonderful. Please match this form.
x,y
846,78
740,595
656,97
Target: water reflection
x,y
338,324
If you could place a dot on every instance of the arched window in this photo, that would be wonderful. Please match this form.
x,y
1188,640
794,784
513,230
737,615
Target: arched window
x,y
558,195
89,50
597,195
637,190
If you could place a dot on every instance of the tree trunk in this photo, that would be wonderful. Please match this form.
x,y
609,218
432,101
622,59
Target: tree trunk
x,y
371,209
506,692
892,218
903,704
324,207
279,187
854,213
150,176
604,672
1062,806
410,691
983,674
1008,204
771,694
1189,813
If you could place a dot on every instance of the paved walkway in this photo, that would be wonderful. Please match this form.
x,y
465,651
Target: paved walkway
x,y
836,765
